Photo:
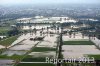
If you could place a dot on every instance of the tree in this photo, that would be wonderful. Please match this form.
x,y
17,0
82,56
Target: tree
x,y
47,30
35,31
70,34
13,32
74,34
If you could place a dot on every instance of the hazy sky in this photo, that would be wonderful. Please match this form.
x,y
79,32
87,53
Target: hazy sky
x,y
46,1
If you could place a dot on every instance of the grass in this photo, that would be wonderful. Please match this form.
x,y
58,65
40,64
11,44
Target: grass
x,y
29,58
96,57
14,57
4,30
42,49
8,41
78,43
36,64
34,59
75,64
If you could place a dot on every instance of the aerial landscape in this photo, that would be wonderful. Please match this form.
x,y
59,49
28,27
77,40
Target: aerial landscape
x,y
50,33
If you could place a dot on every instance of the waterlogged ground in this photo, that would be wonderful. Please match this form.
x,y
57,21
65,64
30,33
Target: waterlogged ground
x,y
6,62
28,50
23,46
76,51
76,47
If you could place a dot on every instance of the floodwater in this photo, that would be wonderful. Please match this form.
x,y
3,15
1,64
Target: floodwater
x,y
6,62
43,54
76,51
24,44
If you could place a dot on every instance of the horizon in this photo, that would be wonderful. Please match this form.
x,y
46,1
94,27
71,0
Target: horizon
x,y
42,2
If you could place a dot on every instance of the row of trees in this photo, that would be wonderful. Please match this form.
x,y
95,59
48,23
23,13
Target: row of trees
x,y
13,32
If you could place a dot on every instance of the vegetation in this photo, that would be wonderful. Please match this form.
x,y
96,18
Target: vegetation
x,y
78,43
96,57
8,41
34,59
76,64
36,64
42,49
14,57
13,32
4,30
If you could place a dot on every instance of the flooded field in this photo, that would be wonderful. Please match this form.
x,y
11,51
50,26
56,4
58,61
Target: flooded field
x,y
76,47
6,62
76,51
77,37
33,47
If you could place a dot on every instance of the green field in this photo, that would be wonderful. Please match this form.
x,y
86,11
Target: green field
x,y
78,43
14,57
42,49
8,41
38,59
77,64
34,59
36,64
4,30
96,57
